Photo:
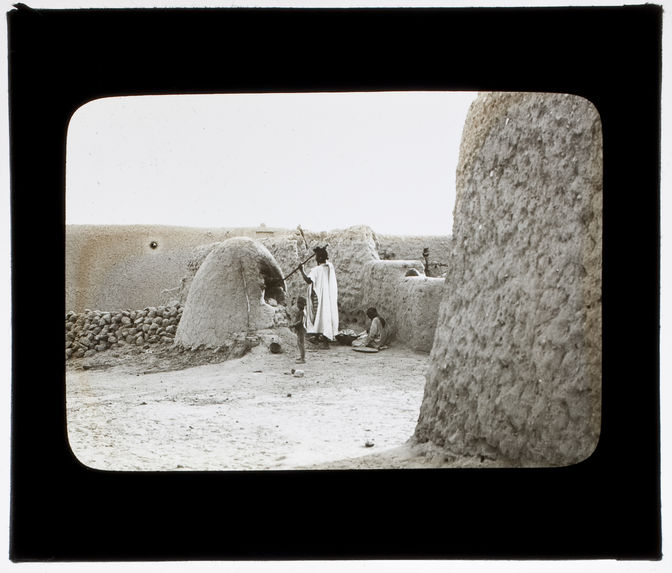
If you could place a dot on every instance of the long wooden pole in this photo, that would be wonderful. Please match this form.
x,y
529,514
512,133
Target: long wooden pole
x,y
297,268
242,274
301,264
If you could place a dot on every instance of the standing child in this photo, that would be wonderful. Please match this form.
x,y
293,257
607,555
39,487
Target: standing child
x,y
299,325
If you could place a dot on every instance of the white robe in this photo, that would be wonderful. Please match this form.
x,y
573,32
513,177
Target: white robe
x,y
325,320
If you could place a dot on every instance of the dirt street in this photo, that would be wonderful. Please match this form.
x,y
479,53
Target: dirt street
x,y
247,413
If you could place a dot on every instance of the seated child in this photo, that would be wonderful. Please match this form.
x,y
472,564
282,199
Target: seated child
x,y
377,335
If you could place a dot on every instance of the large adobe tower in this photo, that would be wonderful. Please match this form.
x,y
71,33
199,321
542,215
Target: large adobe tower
x,y
230,293
515,370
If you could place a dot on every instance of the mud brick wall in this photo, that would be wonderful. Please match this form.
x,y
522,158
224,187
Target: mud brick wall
x,y
409,304
515,370
349,250
397,247
128,266
137,266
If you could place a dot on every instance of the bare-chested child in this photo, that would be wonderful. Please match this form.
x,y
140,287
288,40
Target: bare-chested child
x,y
299,326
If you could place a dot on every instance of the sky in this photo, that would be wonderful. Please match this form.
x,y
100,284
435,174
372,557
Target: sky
x,y
320,160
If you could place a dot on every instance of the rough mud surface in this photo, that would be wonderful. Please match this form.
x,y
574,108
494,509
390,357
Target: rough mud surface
x,y
134,266
205,410
128,266
515,370
227,293
409,304
399,247
349,250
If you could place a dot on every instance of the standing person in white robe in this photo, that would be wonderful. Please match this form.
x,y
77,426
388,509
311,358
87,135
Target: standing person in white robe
x,y
322,308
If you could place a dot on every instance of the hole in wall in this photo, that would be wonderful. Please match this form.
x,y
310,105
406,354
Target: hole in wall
x,y
274,286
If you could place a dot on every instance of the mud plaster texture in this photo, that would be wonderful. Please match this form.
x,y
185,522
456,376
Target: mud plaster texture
x,y
132,267
349,250
227,295
114,267
515,370
398,247
409,304
126,266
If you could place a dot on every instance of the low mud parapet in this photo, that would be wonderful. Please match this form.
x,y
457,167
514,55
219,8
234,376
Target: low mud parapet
x,y
406,298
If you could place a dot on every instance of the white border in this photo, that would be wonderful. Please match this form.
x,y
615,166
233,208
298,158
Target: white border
x,y
327,566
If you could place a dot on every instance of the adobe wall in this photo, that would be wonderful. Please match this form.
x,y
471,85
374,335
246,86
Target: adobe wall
x,y
349,250
112,267
115,266
515,370
399,247
409,304
283,248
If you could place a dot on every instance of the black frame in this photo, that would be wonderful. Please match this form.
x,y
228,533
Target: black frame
x,y
605,507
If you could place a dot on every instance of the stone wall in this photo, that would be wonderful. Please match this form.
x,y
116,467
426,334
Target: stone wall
x,y
409,304
92,331
515,370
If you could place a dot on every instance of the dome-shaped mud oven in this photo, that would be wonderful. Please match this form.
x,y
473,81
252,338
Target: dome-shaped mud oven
x,y
230,293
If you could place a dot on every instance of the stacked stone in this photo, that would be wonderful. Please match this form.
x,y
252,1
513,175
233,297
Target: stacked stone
x,y
94,331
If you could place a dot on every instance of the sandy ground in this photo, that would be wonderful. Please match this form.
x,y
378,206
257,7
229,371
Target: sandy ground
x,y
349,410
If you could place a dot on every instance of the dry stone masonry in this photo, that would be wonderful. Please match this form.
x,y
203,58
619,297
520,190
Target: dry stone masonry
x,y
515,370
514,328
92,331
